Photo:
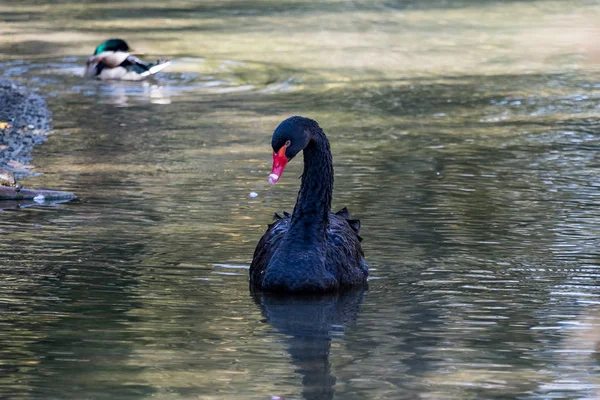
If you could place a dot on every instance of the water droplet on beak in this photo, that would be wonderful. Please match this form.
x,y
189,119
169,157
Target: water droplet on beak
x,y
273,178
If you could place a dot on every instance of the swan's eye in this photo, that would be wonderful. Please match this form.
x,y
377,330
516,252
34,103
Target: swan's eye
x,y
288,144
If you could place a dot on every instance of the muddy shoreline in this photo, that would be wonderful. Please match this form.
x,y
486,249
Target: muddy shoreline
x,y
28,119
24,123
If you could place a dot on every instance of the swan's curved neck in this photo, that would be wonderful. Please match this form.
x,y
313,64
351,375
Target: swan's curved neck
x,y
311,214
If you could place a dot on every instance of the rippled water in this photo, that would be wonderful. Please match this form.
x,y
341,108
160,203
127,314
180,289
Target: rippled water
x,y
465,138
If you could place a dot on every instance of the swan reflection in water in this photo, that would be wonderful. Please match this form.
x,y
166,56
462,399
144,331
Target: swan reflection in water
x,y
310,322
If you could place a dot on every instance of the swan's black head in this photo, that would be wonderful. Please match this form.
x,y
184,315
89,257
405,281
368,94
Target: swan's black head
x,y
290,137
112,45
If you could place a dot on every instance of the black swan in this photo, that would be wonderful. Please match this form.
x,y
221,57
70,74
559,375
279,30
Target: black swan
x,y
312,250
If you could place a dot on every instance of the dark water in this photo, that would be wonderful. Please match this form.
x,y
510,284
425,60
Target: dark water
x,y
468,150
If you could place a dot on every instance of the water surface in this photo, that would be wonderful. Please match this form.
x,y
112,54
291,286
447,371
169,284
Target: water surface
x,y
465,138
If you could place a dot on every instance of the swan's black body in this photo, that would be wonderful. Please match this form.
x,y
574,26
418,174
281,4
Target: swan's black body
x,y
313,250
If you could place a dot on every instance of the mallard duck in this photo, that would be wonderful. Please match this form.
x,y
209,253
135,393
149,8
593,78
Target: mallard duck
x,y
113,59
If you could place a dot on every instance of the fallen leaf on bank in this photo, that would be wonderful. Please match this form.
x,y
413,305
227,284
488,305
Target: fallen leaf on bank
x,y
4,125
17,165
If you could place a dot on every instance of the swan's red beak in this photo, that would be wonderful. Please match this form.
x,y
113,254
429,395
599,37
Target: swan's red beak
x,y
279,162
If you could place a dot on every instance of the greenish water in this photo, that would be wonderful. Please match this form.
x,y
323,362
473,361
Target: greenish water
x,y
465,137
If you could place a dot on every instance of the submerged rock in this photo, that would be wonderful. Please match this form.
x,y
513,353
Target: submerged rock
x,y
11,193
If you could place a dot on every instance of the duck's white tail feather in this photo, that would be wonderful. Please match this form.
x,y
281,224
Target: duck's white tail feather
x,y
156,68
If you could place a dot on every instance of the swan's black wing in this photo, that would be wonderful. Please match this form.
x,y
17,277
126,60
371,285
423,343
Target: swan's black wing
x,y
344,252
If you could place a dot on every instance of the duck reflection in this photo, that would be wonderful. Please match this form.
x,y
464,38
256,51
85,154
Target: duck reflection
x,y
127,94
311,322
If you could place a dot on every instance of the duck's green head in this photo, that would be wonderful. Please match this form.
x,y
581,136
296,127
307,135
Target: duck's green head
x,y
112,45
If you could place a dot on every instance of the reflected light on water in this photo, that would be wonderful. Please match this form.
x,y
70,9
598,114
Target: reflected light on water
x,y
464,136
